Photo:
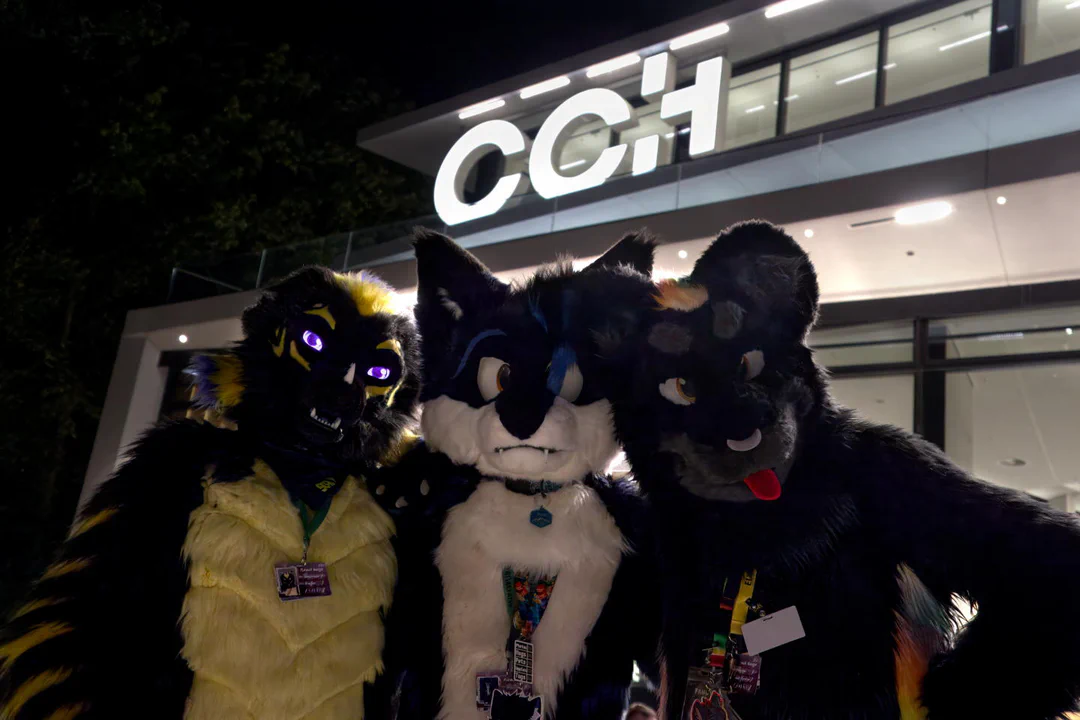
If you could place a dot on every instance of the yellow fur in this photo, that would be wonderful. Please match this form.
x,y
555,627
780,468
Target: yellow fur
x,y
675,295
228,380
295,355
93,521
279,344
36,605
323,312
29,689
255,656
371,297
68,712
38,634
64,567
397,450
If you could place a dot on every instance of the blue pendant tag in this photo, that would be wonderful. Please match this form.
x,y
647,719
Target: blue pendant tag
x,y
540,517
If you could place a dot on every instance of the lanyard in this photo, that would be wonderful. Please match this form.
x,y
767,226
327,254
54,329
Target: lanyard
x,y
526,601
311,522
734,610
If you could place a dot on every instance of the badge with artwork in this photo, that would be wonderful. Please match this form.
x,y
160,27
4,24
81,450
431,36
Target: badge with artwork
x,y
706,699
511,706
305,580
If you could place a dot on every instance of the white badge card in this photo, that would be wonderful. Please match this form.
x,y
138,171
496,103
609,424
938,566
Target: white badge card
x,y
779,628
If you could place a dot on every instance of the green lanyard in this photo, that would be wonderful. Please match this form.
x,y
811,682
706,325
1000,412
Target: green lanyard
x,y
312,523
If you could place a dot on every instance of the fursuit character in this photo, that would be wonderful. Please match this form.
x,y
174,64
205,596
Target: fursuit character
x,y
539,610
237,574
770,501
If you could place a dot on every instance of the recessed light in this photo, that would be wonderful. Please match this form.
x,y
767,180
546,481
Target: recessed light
x,y
965,41
786,6
808,233
480,108
612,65
683,254
1013,462
1068,331
182,339
856,76
575,163
923,213
693,38
546,86
756,108
1001,200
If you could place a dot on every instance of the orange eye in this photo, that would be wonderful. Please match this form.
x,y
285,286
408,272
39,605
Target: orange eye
x,y
685,389
679,391
502,378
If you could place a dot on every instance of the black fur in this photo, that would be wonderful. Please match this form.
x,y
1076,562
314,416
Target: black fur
x,y
857,501
122,641
457,300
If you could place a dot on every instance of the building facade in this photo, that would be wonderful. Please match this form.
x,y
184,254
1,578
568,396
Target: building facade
x,y
926,154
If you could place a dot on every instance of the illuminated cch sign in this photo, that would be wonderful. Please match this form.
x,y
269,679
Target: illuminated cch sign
x,y
703,104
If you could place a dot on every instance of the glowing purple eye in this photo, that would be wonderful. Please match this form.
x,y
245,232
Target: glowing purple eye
x,y
378,372
313,341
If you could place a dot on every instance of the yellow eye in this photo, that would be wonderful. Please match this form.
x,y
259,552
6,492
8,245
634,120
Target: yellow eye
x,y
679,391
502,378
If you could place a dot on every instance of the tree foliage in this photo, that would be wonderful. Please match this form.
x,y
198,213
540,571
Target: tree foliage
x,y
141,136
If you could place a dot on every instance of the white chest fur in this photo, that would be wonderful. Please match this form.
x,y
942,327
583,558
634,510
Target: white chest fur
x,y
490,531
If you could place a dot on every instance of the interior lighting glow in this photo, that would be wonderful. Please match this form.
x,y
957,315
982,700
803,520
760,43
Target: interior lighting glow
x,y
1073,5
923,213
698,36
183,339
808,233
683,254
612,65
858,76
965,41
481,108
1002,200
573,164
890,66
1068,331
546,86
759,108
783,8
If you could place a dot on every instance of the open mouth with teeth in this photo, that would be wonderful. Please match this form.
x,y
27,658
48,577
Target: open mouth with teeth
x,y
328,422
546,450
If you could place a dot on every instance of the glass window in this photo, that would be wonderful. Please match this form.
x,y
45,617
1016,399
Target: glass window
x,y
1017,333
1051,27
863,344
1016,426
888,399
832,83
752,106
581,149
938,50
649,123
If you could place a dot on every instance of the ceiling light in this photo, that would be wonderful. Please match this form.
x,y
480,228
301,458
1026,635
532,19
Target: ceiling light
x,y
1068,331
693,38
759,108
684,131
890,66
789,98
1002,28
924,213
546,86
1073,5
859,76
683,254
965,41
182,339
1002,200
573,164
480,108
808,233
669,135
783,8
612,65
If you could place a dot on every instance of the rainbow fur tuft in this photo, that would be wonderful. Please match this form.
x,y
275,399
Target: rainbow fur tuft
x,y
371,295
680,295
219,381
922,626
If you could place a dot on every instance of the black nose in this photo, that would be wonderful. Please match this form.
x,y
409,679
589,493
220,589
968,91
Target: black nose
x,y
522,410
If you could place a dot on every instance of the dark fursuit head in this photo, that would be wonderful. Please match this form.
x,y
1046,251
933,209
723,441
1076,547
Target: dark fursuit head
x,y
870,533
511,382
325,368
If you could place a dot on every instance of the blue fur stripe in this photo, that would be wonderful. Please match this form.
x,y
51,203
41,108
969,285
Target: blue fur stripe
x,y
561,361
472,345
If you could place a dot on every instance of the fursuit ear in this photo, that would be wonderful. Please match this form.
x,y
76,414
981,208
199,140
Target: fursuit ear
x,y
635,250
762,270
217,381
451,284
286,297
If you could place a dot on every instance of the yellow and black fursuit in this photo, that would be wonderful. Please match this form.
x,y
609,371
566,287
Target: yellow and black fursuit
x,y
163,603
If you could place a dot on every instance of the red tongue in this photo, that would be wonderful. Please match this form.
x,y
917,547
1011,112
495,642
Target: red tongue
x,y
764,484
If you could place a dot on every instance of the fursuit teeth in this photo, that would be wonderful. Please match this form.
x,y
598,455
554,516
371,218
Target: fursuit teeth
x,y
922,626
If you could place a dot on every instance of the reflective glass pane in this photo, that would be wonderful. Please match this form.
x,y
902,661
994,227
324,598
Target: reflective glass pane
x,y
862,344
1051,27
1016,426
1018,333
752,106
832,83
889,399
938,50
581,149
649,123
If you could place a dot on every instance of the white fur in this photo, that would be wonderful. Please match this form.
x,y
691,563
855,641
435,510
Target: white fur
x,y
490,531
582,436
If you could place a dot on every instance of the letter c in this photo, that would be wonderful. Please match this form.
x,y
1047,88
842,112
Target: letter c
x,y
470,147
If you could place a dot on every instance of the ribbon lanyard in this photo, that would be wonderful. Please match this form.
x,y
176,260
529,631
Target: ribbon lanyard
x,y
311,523
526,601
736,609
